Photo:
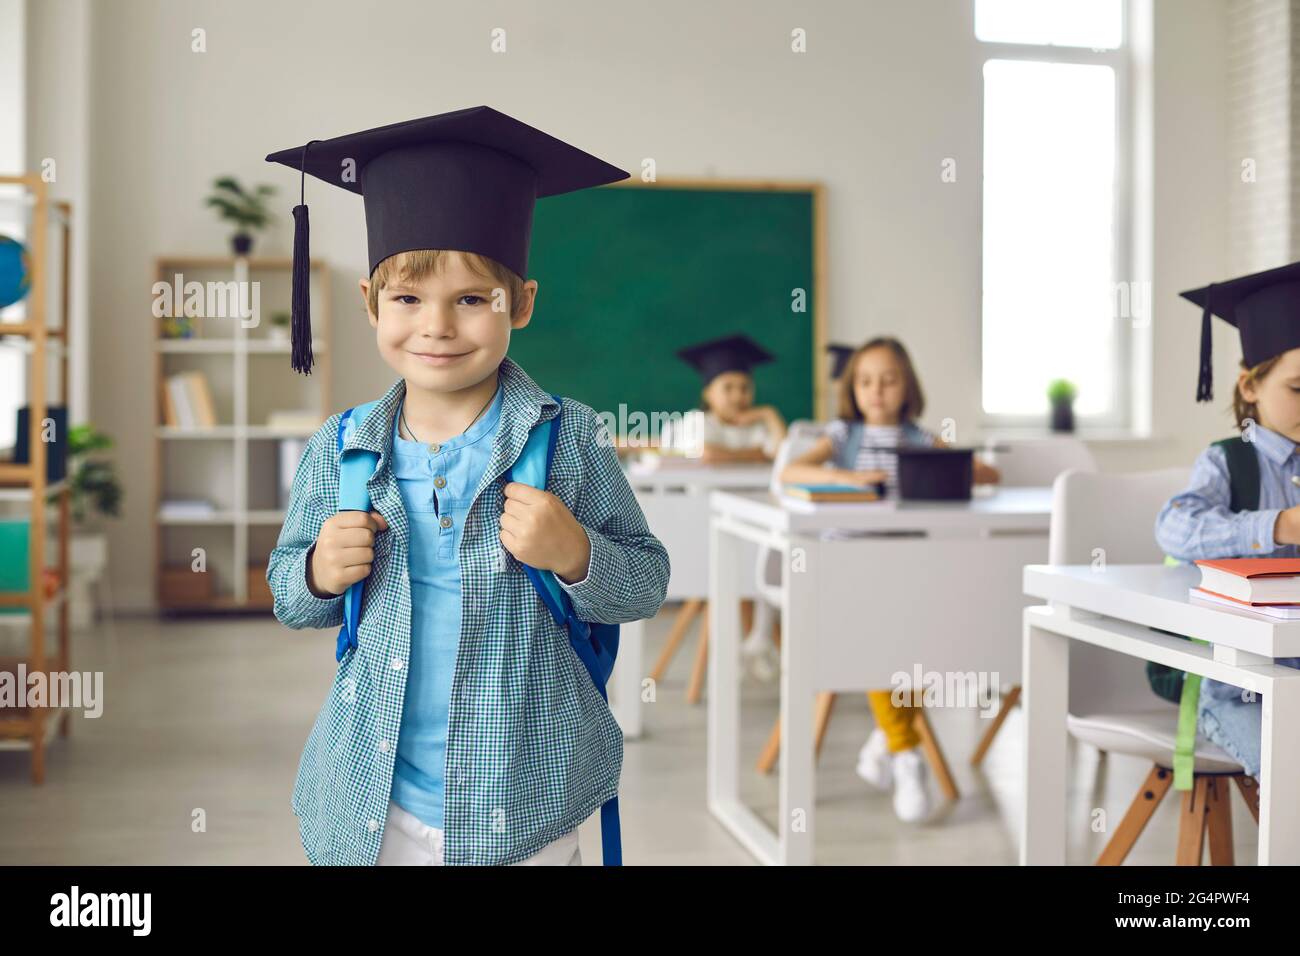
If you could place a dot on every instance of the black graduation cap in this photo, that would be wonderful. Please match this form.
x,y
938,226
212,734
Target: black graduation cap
x,y
465,180
1264,307
734,353
840,355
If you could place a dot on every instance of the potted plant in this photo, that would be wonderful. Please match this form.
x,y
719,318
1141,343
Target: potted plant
x,y
247,210
1061,394
93,489
279,330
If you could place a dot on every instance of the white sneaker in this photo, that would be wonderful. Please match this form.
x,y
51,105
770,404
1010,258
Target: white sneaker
x,y
874,763
911,798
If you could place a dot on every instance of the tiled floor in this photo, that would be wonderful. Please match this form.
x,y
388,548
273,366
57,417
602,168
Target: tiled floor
x,y
211,715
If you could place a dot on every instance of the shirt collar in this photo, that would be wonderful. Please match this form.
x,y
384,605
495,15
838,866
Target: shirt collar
x,y
522,404
1276,448
485,424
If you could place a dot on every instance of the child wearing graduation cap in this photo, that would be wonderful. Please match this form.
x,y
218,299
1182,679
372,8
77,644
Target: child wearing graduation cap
x,y
880,400
1219,515
462,727
729,428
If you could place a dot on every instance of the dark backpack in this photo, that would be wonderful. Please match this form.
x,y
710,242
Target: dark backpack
x,y
1243,482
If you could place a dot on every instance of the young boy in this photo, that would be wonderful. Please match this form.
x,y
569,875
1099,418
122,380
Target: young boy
x,y
462,727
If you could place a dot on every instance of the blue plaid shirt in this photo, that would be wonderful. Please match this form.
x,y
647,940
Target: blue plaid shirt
x,y
1198,524
532,749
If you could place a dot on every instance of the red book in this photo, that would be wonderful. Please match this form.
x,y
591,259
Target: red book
x,y
1253,580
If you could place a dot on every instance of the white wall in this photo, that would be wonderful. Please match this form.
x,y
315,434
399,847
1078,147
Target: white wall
x,y
887,91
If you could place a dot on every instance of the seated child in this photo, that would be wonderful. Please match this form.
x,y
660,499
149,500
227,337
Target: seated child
x,y
880,388
729,427
1201,523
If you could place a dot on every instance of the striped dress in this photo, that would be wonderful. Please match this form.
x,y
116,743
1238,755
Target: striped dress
x,y
873,449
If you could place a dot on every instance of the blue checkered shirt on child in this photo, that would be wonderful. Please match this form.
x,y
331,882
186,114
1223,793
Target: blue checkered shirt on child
x,y
532,749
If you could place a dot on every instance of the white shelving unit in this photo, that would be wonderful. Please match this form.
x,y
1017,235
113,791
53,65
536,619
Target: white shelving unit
x,y
237,361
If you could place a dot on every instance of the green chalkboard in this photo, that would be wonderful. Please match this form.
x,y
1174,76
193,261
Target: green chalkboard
x,y
629,274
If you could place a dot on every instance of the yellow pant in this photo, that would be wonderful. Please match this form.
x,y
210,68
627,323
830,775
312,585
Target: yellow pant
x,y
898,723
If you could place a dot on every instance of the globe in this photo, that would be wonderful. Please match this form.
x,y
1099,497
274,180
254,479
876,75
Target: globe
x,y
15,277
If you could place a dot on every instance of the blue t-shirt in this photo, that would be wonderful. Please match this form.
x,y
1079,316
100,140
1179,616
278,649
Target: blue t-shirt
x,y
437,489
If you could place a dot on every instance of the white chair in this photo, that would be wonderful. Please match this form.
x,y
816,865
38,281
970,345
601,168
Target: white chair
x,y
1111,518
799,438
1029,463
1035,462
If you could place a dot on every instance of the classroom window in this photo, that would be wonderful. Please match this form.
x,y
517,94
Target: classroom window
x,y
1053,219
1095,24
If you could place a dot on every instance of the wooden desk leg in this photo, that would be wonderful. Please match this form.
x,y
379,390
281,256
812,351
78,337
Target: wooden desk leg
x,y
1219,822
1279,770
821,720
1046,672
1191,824
1008,702
700,668
934,756
1249,793
771,750
681,624
1139,814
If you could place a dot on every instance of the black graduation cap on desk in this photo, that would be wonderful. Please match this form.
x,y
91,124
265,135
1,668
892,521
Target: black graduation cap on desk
x,y
465,180
840,355
1264,307
734,353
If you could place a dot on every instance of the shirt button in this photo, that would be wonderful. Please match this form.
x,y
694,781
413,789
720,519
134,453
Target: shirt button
x,y
397,664
445,521
384,746
372,826
435,448
440,482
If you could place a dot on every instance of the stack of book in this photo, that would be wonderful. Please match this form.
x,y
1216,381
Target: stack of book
x,y
187,401
806,492
1268,586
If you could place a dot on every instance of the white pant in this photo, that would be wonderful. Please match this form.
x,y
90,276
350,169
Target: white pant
x,y
409,841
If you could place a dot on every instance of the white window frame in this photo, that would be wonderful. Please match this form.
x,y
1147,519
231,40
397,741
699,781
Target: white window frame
x,y
1121,417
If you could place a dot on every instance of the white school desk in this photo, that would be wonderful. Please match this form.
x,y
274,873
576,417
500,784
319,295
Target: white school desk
x,y
1115,608
676,506
855,612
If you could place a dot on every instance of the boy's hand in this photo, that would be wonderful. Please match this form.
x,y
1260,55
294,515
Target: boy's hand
x,y
343,552
1286,530
540,531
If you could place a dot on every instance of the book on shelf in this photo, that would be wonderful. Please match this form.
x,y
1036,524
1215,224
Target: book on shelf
x,y
187,401
1253,580
186,508
294,420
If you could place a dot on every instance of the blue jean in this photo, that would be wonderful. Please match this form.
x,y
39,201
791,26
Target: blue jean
x,y
1234,724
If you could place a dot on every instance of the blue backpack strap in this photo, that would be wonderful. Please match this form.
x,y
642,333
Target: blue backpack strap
x,y
596,645
848,456
355,469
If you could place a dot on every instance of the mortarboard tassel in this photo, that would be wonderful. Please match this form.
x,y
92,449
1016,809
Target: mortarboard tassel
x,y
300,309
1205,382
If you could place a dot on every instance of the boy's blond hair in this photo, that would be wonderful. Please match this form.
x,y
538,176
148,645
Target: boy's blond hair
x,y
416,265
